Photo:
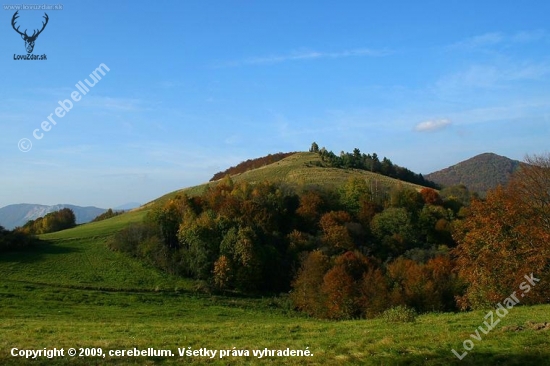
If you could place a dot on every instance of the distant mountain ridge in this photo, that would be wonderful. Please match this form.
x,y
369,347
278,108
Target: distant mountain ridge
x,y
480,173
15,215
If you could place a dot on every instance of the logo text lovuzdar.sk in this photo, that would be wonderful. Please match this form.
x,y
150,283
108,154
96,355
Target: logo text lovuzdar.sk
x,y
29,40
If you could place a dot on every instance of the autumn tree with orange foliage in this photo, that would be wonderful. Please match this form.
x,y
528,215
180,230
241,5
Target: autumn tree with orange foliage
x,y
507,236
347,286
310,208
424,287
342,285
335,232
374,290
306,294
431,197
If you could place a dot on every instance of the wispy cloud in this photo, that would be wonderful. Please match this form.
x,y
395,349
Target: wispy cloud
x,y
529,36
522,110
121,104
233,139
304,56
492,76
487,40
73,149
169,84
432,125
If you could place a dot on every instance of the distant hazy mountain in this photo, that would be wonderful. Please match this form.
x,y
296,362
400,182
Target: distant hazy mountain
x,y
17,215
127,206
480,173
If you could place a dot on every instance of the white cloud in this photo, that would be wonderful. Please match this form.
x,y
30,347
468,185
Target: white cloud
x,y
497,38
233,139
521,110
492,76
305,55
529,71
110,103
432,125
476,76
487,39
529,36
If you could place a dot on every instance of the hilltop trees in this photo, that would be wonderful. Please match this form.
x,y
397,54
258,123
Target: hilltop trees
x,y
314,148
372,163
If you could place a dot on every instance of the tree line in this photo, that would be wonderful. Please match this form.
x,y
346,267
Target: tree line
x,y
372,163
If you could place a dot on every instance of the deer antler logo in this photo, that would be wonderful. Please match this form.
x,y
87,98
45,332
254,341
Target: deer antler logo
x,y
29,40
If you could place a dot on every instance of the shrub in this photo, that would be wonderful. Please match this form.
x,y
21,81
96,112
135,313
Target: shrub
x,y
400,314
128,239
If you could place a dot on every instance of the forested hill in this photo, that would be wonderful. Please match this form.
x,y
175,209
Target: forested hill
x,y
480,173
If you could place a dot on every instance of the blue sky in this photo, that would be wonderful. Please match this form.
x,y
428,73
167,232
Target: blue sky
x,y
197,86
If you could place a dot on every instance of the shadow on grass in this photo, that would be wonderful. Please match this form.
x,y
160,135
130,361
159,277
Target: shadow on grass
x,y
36,252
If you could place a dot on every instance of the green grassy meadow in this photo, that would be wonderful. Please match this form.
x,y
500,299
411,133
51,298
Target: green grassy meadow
x,y
38,316
72,291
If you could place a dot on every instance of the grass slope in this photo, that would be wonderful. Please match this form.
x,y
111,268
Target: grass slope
x,y
79,258
300,169
99,229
